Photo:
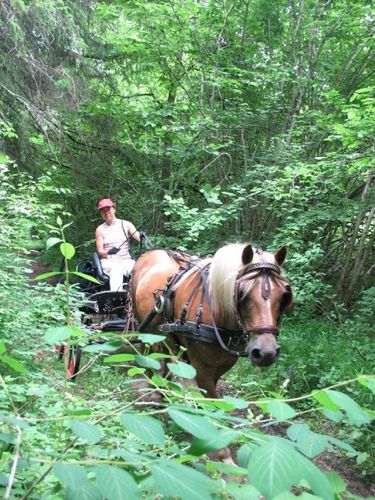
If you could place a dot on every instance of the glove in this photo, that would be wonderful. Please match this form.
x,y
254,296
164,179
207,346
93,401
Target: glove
x,y
142,235
113,251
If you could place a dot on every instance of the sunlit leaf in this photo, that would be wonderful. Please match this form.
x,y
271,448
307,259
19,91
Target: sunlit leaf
x,y
67,249
119,358
86,277
44,276
323,398
354,412
13,363
337,483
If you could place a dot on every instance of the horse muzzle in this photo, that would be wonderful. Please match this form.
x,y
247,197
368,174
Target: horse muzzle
x,y
263,348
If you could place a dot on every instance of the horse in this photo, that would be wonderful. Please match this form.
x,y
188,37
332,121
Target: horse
x,y
219,308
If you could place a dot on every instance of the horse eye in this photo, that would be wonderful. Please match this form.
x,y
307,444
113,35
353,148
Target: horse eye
x,y
286,299
241,295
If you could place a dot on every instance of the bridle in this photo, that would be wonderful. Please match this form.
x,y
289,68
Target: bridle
x,y
264,270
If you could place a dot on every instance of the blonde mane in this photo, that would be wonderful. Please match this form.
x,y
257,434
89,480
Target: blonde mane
x,y
226,265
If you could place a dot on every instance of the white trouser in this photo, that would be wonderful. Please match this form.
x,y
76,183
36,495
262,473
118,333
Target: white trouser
x,y
116,269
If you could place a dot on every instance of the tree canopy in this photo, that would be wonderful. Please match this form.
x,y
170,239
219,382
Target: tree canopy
x,y
206,121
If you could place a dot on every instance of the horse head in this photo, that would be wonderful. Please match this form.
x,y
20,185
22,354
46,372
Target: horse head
x,y
252,295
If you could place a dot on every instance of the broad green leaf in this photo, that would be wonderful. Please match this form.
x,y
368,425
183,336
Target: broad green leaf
x,y
18,422
308,442
87,432
67,249
85,492
58,334
176,480
150,338
354,412
276,466
336,416
287,495
242,491
196,425
86,277
323,398
222,439
119,358
70,475
368,382
7,438
280,411
105,347
239,404
296,431
136,371
341,444
2,348
58,221
244,454
312,444
182,370
337,483
147,362
52,242
13,363
44,276
128,456
146,428
229,469
115,483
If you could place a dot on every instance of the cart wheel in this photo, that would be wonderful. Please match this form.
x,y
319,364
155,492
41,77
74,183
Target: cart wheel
x,y
59,348
72,359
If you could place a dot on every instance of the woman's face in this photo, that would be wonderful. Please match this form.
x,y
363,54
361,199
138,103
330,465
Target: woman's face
x,y
108,214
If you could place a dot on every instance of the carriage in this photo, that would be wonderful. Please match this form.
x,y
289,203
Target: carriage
x,y
218,308
102,311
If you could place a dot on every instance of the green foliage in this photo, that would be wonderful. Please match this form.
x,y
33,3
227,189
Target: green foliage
x,y
207,122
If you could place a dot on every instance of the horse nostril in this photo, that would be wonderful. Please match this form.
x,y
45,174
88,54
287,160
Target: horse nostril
x,y
255,353
277,351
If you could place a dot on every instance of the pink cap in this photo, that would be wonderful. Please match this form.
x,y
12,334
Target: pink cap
x,y
105,202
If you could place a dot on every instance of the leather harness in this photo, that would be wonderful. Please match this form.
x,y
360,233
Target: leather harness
x,y
229,340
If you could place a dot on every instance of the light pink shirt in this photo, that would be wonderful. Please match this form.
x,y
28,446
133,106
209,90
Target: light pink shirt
x,y
114,236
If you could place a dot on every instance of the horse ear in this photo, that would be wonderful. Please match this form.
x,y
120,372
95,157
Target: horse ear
x,y
280,255
247,254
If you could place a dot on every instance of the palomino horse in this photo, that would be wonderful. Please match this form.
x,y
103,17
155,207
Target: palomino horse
x,y
219,308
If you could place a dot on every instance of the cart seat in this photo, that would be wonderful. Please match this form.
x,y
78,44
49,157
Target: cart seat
x,y
100,274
